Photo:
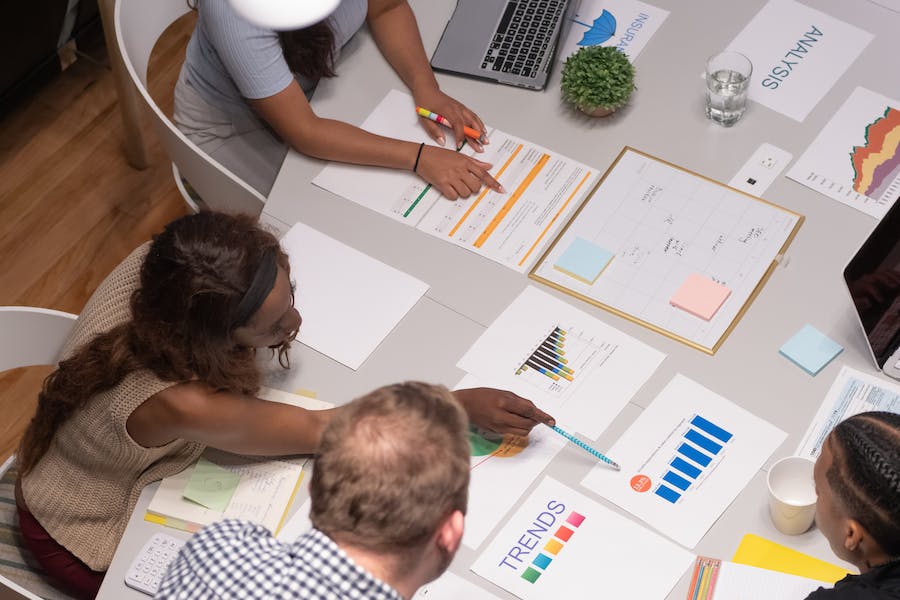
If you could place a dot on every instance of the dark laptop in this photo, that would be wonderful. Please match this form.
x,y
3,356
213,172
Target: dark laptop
x,y
873,279
508,41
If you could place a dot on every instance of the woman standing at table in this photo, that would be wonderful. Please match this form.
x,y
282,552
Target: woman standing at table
x,y
857,479
161,364
243,96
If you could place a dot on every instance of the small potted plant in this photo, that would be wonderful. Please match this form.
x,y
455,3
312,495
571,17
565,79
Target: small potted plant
x,y
597,80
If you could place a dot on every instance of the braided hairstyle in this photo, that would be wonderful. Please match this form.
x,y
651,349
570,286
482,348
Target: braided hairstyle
x,y
865,474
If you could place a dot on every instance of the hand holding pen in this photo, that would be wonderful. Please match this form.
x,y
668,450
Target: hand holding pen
x,y
450,114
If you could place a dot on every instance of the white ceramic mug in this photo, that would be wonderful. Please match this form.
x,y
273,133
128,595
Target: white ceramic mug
x,y
792,494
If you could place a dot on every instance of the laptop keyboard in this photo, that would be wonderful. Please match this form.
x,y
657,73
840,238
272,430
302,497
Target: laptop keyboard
x,y
523,36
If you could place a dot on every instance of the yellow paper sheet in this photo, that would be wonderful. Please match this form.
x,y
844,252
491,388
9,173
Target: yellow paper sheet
x,y
765,554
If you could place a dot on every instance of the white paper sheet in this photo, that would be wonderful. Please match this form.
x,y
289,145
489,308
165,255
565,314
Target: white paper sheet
x,y
798,53
605,366
561,544
298,523
736,581
855,159
450,586
628,26
852,392
502,471
685,459
348,300
542,189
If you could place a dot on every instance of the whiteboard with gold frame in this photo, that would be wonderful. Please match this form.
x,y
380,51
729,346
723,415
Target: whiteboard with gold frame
x,y
662,223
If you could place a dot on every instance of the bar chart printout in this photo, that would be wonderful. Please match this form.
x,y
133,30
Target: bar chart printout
x,y
700,449
558,358
685,459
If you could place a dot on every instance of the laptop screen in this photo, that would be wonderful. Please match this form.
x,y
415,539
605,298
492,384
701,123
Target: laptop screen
x,y
873,278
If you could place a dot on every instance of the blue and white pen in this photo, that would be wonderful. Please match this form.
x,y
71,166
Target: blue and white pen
x,y
586,448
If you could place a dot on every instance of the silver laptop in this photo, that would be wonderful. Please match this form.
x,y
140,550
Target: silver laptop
x,y
508,41
873,279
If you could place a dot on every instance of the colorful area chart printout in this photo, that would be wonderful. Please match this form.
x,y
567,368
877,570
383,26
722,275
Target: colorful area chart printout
x,y
543,189
664,224
685,459
503,468
572,365
561,544
855,159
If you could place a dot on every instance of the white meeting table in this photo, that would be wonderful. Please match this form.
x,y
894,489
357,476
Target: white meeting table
x,y
664,118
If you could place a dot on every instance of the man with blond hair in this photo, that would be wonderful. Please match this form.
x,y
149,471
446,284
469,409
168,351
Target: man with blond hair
x,y
388,495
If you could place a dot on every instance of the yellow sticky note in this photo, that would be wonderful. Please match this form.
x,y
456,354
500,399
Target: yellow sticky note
x,y
700,296
766,554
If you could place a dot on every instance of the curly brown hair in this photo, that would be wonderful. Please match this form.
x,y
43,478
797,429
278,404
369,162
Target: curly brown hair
x,y
182,323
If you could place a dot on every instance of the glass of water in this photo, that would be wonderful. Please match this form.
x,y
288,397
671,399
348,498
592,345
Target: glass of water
x,y
727,81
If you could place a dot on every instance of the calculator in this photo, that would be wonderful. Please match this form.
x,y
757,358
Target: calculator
x,y
148,567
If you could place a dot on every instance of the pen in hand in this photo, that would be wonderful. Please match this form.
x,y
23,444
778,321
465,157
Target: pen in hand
x,y
441,120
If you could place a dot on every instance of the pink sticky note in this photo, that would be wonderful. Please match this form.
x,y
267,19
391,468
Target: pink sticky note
x,y
700,296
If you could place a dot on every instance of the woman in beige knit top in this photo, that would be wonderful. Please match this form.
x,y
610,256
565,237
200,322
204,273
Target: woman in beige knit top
x,y
160,365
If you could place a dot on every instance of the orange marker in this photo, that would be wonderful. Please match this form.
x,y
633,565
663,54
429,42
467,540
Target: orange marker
x,y
440,120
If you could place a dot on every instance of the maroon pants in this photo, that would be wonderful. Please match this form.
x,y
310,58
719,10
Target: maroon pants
x,y
69,573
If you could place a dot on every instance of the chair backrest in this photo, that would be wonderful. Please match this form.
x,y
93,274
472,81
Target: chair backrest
x,y
138,25
32,336
10,590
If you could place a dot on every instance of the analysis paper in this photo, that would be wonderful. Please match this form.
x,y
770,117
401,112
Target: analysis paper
x,y
685,459
798,53
572,365
851,393
348,300
542,189
560,543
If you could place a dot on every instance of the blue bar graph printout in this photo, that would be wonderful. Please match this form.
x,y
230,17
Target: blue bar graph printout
x,y
702,442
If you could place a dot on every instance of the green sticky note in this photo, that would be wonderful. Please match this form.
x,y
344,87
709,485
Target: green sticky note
x,y
211,486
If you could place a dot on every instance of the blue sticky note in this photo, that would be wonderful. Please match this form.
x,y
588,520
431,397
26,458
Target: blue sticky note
x,y
583,260
810,349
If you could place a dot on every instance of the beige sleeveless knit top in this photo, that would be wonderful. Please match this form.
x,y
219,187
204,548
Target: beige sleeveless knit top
x,y
85,487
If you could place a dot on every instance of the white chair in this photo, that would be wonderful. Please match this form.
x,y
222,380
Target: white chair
x,y
29,336
9,590
138,25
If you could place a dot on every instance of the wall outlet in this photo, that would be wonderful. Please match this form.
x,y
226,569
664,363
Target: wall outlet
x,y
760,171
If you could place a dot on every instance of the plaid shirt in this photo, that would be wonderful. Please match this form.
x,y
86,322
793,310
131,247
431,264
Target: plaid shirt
x,y
237,559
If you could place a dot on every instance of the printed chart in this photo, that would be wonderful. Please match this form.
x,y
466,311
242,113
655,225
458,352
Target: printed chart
x,y
856,158
698,452
685,459
665,227
543,188
556,540
503,467
572,365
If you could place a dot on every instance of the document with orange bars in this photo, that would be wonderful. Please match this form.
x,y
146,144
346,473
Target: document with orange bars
x,y
543,189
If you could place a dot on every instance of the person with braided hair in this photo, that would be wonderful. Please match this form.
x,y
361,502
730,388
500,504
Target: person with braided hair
x,y
160,365
857,478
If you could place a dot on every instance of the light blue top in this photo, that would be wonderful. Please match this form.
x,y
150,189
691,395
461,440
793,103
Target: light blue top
x,y
230,60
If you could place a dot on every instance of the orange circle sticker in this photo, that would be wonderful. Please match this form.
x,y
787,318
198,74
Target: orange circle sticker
x,y
640,483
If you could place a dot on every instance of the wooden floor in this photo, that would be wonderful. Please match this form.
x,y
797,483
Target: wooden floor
x,y
70,205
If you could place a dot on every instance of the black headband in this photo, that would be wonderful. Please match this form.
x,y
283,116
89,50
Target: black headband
x,y
262,283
